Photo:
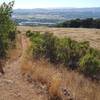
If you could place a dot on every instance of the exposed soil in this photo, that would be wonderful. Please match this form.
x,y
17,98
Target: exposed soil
x,y
12,84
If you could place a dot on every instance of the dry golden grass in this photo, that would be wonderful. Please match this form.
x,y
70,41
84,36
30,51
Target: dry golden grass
x,y
81,87
15,52
26,64
54,87
60,81
79,34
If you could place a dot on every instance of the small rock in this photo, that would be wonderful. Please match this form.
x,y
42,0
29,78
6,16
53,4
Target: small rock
x,y
8,81
66,92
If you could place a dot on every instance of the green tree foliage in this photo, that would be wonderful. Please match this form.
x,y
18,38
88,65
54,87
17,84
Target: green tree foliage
x,y
7,27
85,23
89,64
72,54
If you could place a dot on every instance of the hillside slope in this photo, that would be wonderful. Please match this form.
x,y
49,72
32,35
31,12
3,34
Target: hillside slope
x,y
79,34
70,85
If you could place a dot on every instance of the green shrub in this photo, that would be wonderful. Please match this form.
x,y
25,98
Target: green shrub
x,y
28,33
61,50
3,48
37,42
89,65
50,46
65,51
12,35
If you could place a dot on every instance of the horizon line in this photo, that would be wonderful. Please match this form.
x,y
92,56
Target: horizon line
x,y
58,8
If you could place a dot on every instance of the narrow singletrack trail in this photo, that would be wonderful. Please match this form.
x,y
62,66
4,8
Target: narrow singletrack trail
x,y
12,84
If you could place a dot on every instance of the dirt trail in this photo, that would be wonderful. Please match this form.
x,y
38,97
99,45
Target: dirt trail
x,y
12,85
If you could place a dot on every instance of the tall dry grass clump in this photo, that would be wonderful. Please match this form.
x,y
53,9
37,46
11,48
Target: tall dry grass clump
x,y
54,87
61,83
45,73
25,60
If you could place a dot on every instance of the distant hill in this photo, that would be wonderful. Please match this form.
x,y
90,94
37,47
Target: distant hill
x,y
96,9
40,16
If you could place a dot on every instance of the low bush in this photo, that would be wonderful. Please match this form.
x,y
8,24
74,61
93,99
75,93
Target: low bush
x,y
49,46
75,55
37,45
89,64
29,33
12,35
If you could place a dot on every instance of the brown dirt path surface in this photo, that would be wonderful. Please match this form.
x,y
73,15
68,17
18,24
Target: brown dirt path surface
x,y
12,85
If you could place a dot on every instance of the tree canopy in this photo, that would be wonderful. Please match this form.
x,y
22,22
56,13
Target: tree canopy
x,y
7,27
85,23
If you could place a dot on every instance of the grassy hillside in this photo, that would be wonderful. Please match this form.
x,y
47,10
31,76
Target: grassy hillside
x,y
79,34
57,81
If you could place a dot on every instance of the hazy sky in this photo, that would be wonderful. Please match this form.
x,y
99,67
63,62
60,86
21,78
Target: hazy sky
x,y
54,3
